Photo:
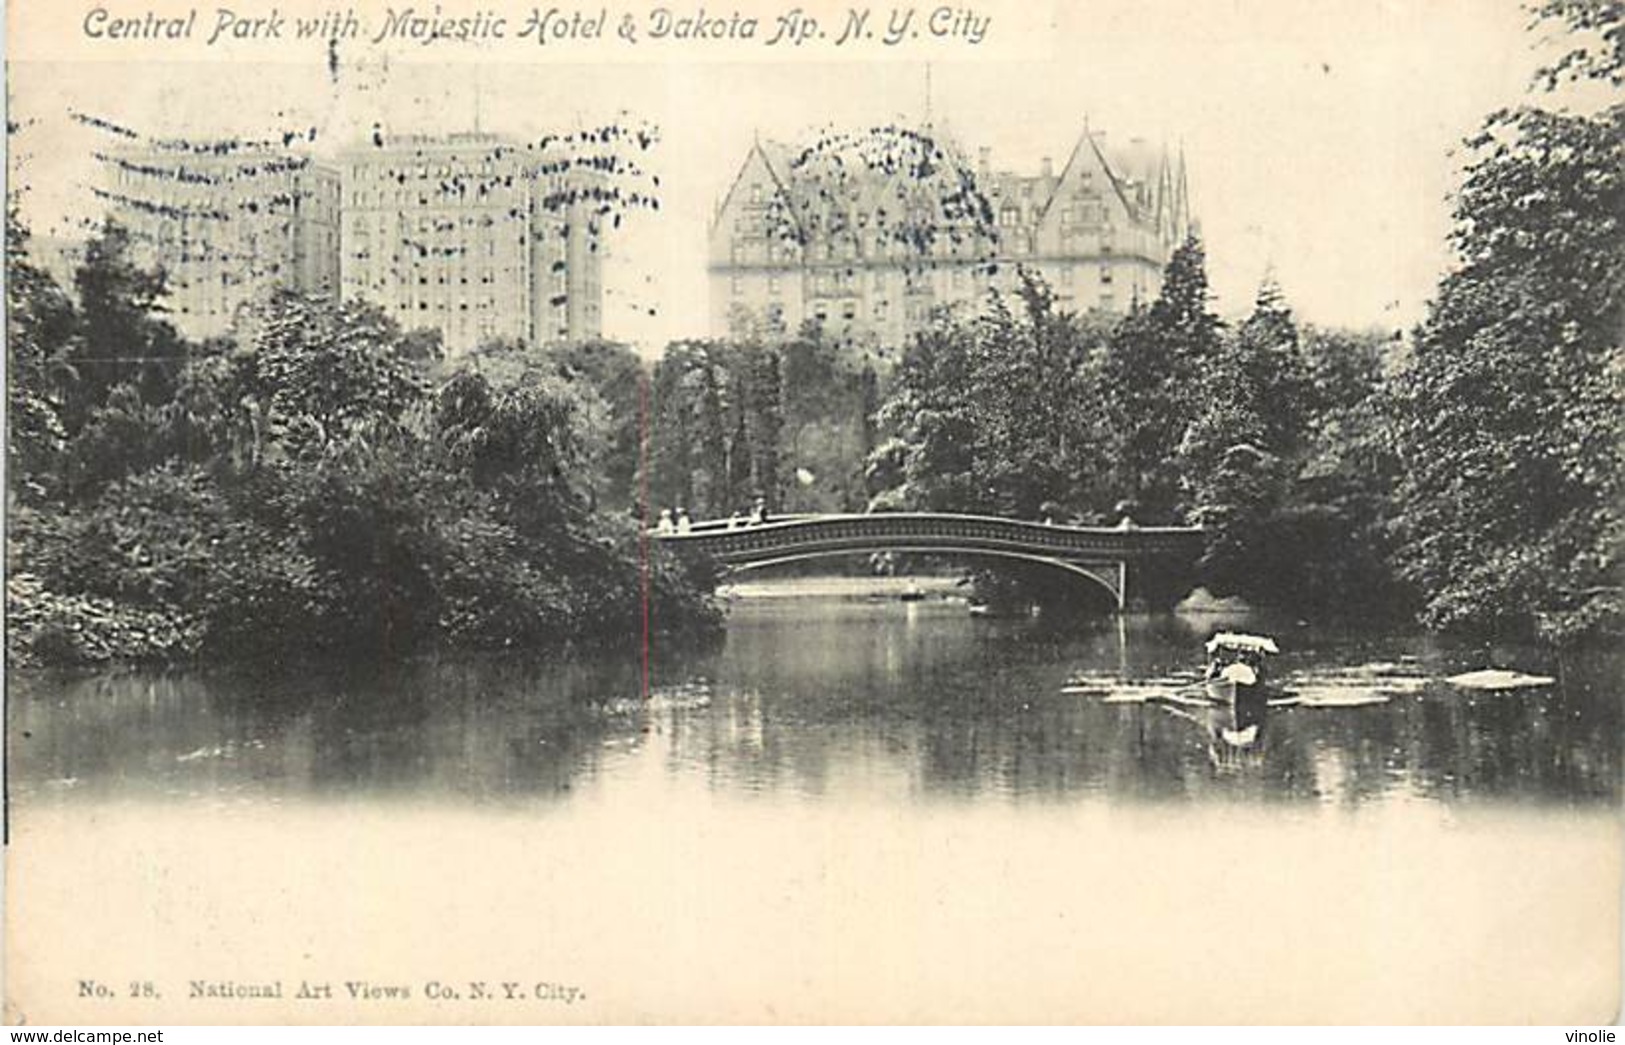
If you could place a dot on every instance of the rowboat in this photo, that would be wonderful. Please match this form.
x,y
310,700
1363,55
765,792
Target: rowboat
x,y
1234,686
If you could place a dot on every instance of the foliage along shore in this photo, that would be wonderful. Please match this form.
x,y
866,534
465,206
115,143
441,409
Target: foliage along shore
x,y
321,484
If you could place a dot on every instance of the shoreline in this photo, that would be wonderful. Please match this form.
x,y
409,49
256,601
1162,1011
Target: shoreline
x,y
800,587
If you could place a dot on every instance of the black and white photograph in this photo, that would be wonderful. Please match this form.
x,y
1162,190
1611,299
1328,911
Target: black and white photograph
x,y
792,512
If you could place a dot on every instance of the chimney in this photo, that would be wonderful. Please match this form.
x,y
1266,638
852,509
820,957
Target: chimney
x,y
1047,167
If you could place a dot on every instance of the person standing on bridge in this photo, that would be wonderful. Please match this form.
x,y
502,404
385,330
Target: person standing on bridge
x,y
665,525
683,525
758,512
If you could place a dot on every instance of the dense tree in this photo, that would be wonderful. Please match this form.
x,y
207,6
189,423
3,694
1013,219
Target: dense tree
x,y
325,378
1241,446
829,396
1275,440
41,323
1511,424
999,414
716,492
613,418
1510,420
932,411
1511,430
1336,529
719,427
763,391
1156,373
671,438
123,337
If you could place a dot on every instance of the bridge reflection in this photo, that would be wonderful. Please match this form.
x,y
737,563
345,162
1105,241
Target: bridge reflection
x,y
1134,564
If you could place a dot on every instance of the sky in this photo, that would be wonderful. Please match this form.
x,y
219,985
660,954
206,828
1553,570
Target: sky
x,y
1322,139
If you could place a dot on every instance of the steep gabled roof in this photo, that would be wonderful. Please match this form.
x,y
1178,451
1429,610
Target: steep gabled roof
x,y
1118,183
758,148
1087,140
1150,189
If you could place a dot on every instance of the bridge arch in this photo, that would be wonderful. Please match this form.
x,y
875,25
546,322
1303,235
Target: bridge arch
x,y
1115,558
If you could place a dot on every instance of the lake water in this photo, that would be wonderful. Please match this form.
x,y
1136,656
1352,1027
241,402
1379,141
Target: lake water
x,y
854,809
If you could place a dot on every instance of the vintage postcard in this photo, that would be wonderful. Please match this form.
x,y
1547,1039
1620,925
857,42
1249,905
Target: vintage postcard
x,y
786,511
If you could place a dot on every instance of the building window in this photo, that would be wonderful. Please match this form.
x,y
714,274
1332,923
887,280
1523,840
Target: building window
x,y
1105,273
773,285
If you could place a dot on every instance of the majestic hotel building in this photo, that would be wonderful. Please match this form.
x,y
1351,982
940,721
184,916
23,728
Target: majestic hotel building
x,y
1099,232
227,225
469,234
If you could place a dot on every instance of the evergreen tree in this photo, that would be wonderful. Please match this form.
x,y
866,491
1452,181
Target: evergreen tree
x,y
1157,372
1180,315
1272,368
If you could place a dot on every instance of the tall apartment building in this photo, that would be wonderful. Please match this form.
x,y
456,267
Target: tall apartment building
x,y
1099,232
473,235
226,224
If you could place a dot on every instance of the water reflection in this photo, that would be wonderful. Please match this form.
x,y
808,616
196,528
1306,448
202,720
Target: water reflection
x,y
883,702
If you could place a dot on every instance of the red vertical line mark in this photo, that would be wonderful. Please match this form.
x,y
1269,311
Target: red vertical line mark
x,y
643,510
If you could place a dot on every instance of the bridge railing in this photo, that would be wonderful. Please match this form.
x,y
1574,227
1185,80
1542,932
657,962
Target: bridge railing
x,y
882,529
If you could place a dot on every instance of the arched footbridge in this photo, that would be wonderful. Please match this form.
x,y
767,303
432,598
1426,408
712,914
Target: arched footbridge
x,y
1137,565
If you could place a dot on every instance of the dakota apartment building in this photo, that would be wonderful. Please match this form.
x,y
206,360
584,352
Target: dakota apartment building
x,y
1099,232
463,233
